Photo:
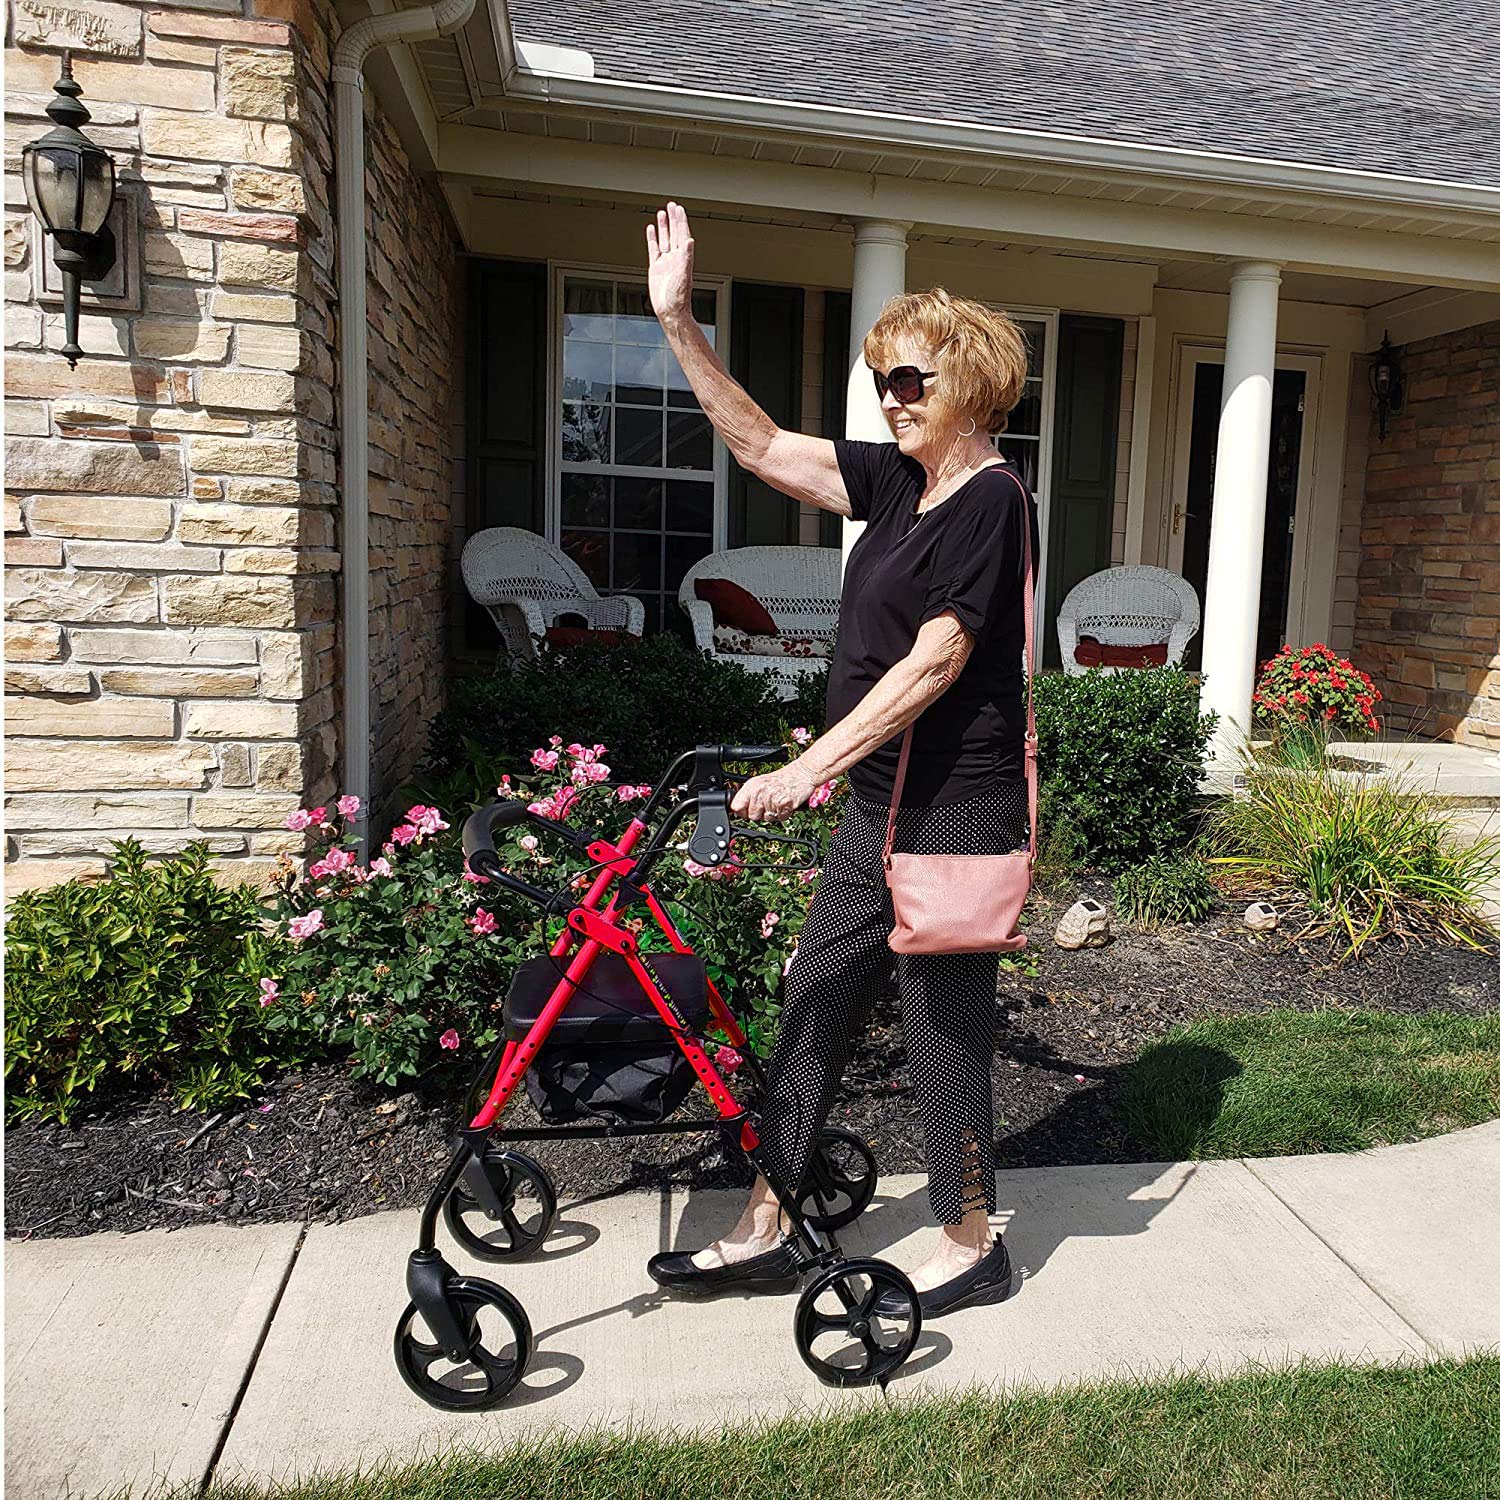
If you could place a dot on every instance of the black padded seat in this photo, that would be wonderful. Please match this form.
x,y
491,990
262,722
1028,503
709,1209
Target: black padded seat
x,y
609,1005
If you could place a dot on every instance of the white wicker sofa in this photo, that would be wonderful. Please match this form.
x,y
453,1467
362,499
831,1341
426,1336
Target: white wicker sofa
x,y
1136,606
799,587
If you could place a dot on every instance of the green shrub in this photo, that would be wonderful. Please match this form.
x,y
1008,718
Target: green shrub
x,y
1165,888
146,977
647,702
1361,856
1121,756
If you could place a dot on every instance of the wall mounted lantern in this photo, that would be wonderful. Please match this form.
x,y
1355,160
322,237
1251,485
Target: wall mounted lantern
x,y
1387,382
70,185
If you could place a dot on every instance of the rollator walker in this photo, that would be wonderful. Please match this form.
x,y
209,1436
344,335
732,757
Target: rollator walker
x,y
601,1029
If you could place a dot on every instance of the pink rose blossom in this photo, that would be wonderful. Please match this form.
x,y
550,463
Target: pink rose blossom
x,y
554,740
269,990
299,820
404,833
304,927
472,879
727,1060
348,806
544,760
563,800
427,819
319,870
449,1040
482,923
318,815
381,866
528,842
802,735
821,794
542,808
767,922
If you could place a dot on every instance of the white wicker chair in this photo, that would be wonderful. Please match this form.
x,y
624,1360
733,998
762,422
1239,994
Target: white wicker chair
x,y
1128,607
799,587
526,584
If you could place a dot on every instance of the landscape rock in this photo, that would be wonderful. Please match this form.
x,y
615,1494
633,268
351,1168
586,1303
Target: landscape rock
x,y
1085,924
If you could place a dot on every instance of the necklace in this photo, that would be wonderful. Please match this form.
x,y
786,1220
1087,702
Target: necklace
x,y
951,493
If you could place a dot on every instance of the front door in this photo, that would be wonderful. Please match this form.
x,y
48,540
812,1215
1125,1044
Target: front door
x,y
1192,514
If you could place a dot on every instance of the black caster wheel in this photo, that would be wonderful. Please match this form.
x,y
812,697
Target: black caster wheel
x,y
499,1340
518,1220
843,1338
843,1172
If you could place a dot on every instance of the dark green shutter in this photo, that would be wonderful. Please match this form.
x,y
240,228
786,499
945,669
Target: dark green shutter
x,y
507,418
1087,420
835,394
765,356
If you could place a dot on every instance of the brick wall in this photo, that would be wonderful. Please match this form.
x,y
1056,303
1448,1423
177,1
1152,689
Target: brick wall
x,y
1427,622
415,375
171,516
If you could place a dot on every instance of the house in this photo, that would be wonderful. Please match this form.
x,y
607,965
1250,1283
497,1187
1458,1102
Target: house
x,y
232,531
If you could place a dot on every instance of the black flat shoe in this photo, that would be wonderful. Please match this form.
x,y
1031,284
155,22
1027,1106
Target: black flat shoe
x,y
773,1271
988,1280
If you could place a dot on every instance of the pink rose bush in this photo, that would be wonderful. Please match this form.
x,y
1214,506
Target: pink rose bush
x,y
386,959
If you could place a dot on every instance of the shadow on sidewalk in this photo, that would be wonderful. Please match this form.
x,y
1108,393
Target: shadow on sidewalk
x,y
1111,1201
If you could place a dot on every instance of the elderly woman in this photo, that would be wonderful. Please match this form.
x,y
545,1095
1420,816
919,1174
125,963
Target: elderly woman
x,y
930,634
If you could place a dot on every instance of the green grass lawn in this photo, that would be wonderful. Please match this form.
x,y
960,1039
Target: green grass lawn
x,y
1298,1081
1312,1433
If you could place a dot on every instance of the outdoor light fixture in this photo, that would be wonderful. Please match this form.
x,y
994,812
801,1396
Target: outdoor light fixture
x,y
1387,382
70,185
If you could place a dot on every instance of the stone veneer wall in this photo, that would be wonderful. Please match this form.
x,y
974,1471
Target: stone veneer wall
x,y
1427,621
171,638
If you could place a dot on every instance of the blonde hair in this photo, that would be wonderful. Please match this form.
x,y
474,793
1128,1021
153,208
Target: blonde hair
x,y
983,352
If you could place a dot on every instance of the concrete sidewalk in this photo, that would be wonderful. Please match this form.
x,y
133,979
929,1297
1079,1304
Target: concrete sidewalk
x,y
266,1352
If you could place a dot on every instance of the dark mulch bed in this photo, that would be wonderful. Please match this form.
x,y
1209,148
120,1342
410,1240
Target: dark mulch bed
x,y
317,1146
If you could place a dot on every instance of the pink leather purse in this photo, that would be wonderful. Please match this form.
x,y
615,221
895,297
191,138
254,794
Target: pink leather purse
x,y
966,903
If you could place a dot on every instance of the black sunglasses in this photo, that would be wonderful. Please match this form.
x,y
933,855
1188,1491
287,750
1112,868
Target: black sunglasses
x,y
905,382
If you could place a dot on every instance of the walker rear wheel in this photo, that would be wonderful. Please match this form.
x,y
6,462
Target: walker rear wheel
x,y
499,1335
527,1205
842,1337
843,1173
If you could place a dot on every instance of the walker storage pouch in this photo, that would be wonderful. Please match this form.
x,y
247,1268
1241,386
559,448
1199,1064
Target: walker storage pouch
x,y
609,1055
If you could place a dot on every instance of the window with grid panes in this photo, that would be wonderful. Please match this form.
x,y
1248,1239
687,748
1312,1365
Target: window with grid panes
x,y
1021,442
637,461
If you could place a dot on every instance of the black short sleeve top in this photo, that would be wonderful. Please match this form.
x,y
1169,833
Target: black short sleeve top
x,y
965,554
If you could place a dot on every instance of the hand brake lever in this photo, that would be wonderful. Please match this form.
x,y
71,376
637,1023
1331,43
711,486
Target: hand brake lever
x,y
714,832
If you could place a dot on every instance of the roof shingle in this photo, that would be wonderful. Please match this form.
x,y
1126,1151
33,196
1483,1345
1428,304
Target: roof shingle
x,y
1407,88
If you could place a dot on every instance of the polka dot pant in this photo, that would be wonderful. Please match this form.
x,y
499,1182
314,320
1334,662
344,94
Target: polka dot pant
x,y
843,961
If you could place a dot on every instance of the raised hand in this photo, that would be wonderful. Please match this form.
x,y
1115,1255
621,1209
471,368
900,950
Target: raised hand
x,y
669,257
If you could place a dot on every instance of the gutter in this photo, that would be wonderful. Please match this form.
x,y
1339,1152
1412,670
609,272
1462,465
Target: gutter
x,y
349,56
565,76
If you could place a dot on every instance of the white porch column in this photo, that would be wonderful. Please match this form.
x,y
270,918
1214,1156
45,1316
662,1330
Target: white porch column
x,y
879,275
1237,529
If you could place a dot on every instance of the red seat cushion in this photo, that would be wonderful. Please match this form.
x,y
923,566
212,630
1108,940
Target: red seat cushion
x,y
1091,652
734,606
581,635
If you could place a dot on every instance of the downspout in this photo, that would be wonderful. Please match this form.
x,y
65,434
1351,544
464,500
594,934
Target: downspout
x,y
349,55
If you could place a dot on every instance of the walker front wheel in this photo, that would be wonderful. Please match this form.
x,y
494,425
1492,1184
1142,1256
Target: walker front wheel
x,y
499,1335
842,1174
843,1337
508,1213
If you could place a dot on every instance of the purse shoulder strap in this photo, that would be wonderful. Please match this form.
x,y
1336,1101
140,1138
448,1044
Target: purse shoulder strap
x,y
1029,610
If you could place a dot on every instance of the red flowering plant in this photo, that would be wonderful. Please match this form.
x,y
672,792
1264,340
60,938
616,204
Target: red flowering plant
x,y
1307,695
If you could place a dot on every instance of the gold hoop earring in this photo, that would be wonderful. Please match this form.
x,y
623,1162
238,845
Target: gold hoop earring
x,y
973,428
